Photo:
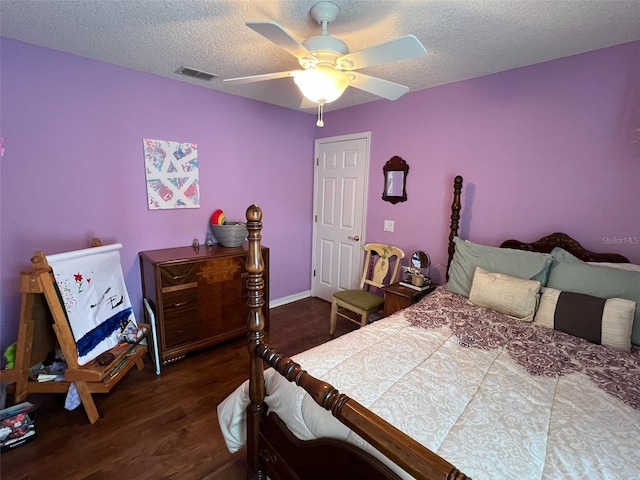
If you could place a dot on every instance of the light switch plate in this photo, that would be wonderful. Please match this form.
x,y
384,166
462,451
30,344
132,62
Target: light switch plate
x,y
388,225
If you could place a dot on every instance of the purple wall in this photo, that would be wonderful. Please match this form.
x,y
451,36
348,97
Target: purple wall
x,y
73,167
542,148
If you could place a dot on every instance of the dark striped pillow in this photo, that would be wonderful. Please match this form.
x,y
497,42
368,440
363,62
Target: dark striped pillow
x,y
606,322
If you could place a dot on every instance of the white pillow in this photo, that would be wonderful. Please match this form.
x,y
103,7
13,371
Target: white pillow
x,y
613,321
512,296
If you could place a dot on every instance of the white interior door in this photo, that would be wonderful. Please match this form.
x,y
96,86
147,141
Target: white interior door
x,y
340,194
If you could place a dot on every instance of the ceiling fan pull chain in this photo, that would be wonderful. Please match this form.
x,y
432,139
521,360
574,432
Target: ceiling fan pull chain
x,y
320,122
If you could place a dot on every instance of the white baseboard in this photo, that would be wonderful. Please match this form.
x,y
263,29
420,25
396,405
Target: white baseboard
x,y
291,298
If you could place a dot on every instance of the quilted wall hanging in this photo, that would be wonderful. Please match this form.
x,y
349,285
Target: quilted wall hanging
x,y
172,174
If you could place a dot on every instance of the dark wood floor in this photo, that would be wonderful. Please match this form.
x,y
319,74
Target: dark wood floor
x,y
160,427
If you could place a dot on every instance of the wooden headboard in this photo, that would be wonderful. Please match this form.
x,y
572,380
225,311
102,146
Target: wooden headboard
x,y
559,239
544,245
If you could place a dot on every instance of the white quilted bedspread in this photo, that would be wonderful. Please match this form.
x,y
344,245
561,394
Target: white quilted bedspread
x,y
492,407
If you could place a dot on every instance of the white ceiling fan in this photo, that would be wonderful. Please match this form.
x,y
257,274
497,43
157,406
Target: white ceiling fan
x,y
327,66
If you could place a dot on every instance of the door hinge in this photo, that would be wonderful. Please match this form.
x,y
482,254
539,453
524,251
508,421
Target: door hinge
x,y
315,218
314,272
317,161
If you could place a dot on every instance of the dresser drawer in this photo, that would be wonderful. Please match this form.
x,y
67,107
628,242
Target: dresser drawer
x,y
177,302
178,274
181,330
181,323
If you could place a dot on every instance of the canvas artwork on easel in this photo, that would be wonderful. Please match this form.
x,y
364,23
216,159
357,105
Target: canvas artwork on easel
x,y
92,288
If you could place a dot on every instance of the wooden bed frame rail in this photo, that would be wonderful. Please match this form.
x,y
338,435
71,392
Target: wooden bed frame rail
x,y
263,460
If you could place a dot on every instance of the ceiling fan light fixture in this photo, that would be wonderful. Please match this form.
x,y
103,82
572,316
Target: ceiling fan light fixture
x,y
321,84
328,66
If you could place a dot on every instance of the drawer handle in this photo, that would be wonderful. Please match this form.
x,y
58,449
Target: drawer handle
x,y
179,277
179,304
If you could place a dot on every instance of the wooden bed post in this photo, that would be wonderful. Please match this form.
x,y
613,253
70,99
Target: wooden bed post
x,y
456,206
255,336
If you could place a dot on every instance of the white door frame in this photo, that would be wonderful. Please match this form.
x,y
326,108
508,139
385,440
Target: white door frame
x,y
365,193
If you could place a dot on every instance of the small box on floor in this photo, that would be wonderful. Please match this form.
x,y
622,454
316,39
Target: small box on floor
x,y
17,426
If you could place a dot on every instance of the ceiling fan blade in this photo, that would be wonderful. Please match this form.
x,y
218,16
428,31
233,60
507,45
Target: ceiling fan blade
x,y
259,78
275,33
399,49
378,86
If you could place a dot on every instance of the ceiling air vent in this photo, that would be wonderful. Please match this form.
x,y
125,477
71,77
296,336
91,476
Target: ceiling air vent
x,y
192,72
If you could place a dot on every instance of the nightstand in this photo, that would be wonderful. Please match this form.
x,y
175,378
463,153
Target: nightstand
x,y
397,297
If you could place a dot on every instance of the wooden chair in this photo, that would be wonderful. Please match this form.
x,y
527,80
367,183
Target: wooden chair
x,y
381,266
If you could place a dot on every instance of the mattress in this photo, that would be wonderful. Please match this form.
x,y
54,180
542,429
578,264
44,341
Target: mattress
x,y
496,397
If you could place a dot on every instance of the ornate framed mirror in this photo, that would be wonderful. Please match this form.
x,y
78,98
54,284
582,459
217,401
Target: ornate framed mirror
x,y
395,180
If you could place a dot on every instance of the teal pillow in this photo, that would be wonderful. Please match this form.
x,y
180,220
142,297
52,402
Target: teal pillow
x,y
509,261
571,274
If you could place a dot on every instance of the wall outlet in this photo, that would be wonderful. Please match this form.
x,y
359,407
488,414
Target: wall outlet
x,y
388,225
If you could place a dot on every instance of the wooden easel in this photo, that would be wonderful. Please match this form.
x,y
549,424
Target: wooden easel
x,y
41,310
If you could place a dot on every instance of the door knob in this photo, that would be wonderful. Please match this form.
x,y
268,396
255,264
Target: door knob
x,y
355,238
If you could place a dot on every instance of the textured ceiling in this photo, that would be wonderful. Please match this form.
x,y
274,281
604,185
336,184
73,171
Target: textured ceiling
x,y
464,39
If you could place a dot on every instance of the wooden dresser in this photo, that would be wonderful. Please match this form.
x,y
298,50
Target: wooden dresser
x,y
198,296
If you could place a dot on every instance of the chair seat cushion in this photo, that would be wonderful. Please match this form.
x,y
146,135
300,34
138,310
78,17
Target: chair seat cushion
x,y
361,299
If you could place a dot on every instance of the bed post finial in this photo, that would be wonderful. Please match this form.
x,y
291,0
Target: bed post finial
x,y
255,268
456,206
255,337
